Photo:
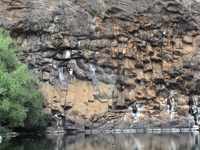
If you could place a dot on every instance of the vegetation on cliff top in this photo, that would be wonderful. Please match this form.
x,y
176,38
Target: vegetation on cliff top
x,y
20,99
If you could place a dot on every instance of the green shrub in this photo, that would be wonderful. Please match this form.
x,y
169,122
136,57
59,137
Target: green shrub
x,y
20,99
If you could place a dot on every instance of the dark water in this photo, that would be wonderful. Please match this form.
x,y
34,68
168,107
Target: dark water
x,y
120,141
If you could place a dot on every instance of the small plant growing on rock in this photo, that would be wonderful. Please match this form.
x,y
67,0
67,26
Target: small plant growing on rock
x,y
161,7
177,96
138,2
140,55
149,127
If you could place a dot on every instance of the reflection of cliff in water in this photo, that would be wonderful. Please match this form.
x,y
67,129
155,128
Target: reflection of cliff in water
x,y
170,141
137,141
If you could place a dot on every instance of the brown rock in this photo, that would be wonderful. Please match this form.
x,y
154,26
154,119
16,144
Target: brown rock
x,y
157,73
123,39
151,94
188,49
188,39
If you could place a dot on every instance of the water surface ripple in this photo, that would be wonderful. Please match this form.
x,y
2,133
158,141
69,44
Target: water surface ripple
x,y
118,141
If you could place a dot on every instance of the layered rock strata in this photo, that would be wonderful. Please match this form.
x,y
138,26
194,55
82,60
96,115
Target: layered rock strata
x,y
135,63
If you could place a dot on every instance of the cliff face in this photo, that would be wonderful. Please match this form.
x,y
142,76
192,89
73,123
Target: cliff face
x,y
135,63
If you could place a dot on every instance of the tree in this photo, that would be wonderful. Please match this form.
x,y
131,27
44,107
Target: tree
x,y
20,98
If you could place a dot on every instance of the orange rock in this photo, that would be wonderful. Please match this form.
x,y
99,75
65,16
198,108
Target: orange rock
x,y
188,49
140,76
140,93
151,94
129,63
130,82
129,95
123,39
148,67
147,76
188,39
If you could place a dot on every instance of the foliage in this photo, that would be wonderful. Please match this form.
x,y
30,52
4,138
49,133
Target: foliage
x,y
20,99
7,50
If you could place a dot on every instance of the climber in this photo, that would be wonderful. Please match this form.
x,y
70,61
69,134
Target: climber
x,y
193,110
124,52
56,119
71,73
170,102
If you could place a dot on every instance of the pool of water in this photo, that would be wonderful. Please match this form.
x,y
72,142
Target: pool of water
x,y
117,141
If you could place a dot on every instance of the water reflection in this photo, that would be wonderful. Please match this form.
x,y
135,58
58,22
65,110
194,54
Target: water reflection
x,y
139,141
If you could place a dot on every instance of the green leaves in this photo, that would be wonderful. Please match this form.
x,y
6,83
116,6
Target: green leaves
x,y
20,99
7,53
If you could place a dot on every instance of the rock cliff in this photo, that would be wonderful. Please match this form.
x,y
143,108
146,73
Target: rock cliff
x,y
135,62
